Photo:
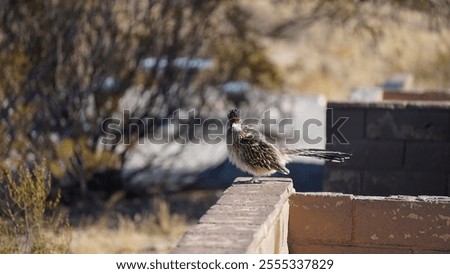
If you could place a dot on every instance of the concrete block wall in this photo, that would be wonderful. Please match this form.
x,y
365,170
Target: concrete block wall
x,y
398,148
342,223
433,95
248,218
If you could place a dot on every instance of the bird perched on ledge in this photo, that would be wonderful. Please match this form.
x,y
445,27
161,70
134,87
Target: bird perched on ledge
x,y
254,155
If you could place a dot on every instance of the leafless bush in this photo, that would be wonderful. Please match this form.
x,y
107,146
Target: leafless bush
x,y
66,64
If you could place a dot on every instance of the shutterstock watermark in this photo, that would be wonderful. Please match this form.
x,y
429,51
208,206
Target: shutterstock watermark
x,y
187,127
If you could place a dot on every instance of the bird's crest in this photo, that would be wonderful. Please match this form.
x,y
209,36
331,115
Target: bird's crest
x,y
234,116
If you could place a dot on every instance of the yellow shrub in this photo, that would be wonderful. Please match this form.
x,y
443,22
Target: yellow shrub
x,y
30,220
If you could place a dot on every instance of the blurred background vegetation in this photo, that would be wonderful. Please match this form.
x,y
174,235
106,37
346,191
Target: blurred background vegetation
x,y
66,66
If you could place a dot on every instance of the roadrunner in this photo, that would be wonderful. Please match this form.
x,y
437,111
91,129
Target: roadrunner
x,y
254,155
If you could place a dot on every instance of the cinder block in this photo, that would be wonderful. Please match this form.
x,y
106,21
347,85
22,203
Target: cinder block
x,y
320,218
240,210
204,228
249,200
427,156
282,230
265,244
371,154
271,192
216,240
239,214
272,237
281,187
407,124
345,249
353,128
207,250
403,182
402,222
233,219
342,180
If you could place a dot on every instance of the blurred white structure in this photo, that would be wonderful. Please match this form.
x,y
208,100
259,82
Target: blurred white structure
x,y
366,94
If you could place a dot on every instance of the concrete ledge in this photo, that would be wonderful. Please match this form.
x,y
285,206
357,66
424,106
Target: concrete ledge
x,y
339,223
248,218
435,95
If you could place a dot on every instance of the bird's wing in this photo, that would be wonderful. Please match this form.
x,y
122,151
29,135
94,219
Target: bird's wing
x,y
250,137
261,154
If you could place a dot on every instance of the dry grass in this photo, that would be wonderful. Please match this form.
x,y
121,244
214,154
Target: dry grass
x,y
155,227
128,235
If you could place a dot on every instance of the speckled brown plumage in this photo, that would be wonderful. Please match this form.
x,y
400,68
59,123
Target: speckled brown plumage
x,y
252,154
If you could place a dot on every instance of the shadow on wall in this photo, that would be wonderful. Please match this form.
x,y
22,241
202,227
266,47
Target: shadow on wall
x,y
307,177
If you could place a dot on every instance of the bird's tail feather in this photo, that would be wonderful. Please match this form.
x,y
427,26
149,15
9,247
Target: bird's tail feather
x,y
333,156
